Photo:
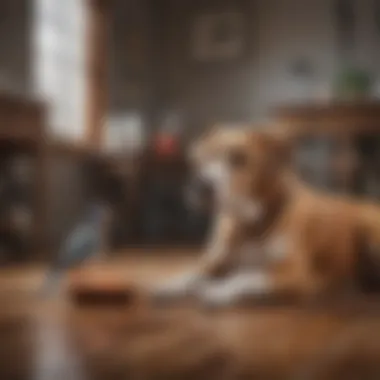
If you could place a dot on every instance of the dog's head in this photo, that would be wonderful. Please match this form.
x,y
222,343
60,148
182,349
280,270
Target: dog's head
x,y
241,164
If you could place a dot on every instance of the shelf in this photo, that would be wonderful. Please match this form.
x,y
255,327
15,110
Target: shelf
x,y
345,137
23,127
344,118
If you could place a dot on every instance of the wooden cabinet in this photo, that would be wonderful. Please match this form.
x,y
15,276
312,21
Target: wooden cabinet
x,y
337,146
23,168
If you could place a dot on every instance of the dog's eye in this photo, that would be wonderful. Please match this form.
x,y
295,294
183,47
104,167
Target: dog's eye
x,y
237,159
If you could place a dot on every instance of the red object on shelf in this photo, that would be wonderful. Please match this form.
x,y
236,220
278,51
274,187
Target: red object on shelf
x,y
166,145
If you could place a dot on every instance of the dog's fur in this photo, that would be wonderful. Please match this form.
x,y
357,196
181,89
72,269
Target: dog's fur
x,y
301,242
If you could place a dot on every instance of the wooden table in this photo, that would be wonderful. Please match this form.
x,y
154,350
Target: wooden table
x,y
349,128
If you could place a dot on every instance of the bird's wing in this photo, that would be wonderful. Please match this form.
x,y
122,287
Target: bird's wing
x,y
81,243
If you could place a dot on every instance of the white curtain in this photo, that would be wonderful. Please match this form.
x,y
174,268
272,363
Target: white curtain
x,y
59,62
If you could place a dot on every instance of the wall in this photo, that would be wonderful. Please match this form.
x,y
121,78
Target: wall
x,y
291,28
368,35
286,31
278,33
130,51
14,43
150,67
203,92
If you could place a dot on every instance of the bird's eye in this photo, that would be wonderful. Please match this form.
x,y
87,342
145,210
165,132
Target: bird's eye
x,y
237,159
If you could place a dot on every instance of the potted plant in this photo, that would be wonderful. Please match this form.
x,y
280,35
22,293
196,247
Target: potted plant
x,y
353,84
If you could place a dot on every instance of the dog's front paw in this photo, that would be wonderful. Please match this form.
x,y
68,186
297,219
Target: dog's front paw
x,y
163,294
216,297
177,289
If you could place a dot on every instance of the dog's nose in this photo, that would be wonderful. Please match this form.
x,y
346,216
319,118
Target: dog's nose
x,y
199,193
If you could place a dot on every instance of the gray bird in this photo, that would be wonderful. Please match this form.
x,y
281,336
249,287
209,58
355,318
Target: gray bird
x,y
82,244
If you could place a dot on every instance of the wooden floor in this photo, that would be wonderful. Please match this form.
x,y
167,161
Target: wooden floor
x,y
50,339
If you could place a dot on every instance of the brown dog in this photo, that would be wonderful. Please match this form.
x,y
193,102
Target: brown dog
x,y
306,242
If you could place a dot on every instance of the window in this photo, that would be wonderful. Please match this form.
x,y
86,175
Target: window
x,y
59,64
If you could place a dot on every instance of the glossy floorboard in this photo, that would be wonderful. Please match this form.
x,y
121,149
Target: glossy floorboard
x,y
51,340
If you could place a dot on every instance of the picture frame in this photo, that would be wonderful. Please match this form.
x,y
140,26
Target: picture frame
x,y
218,36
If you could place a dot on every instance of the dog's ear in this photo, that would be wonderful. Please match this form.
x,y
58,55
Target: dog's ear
x,y
201,140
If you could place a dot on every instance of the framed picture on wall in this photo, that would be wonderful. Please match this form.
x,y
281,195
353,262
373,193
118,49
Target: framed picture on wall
x,y
218,36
